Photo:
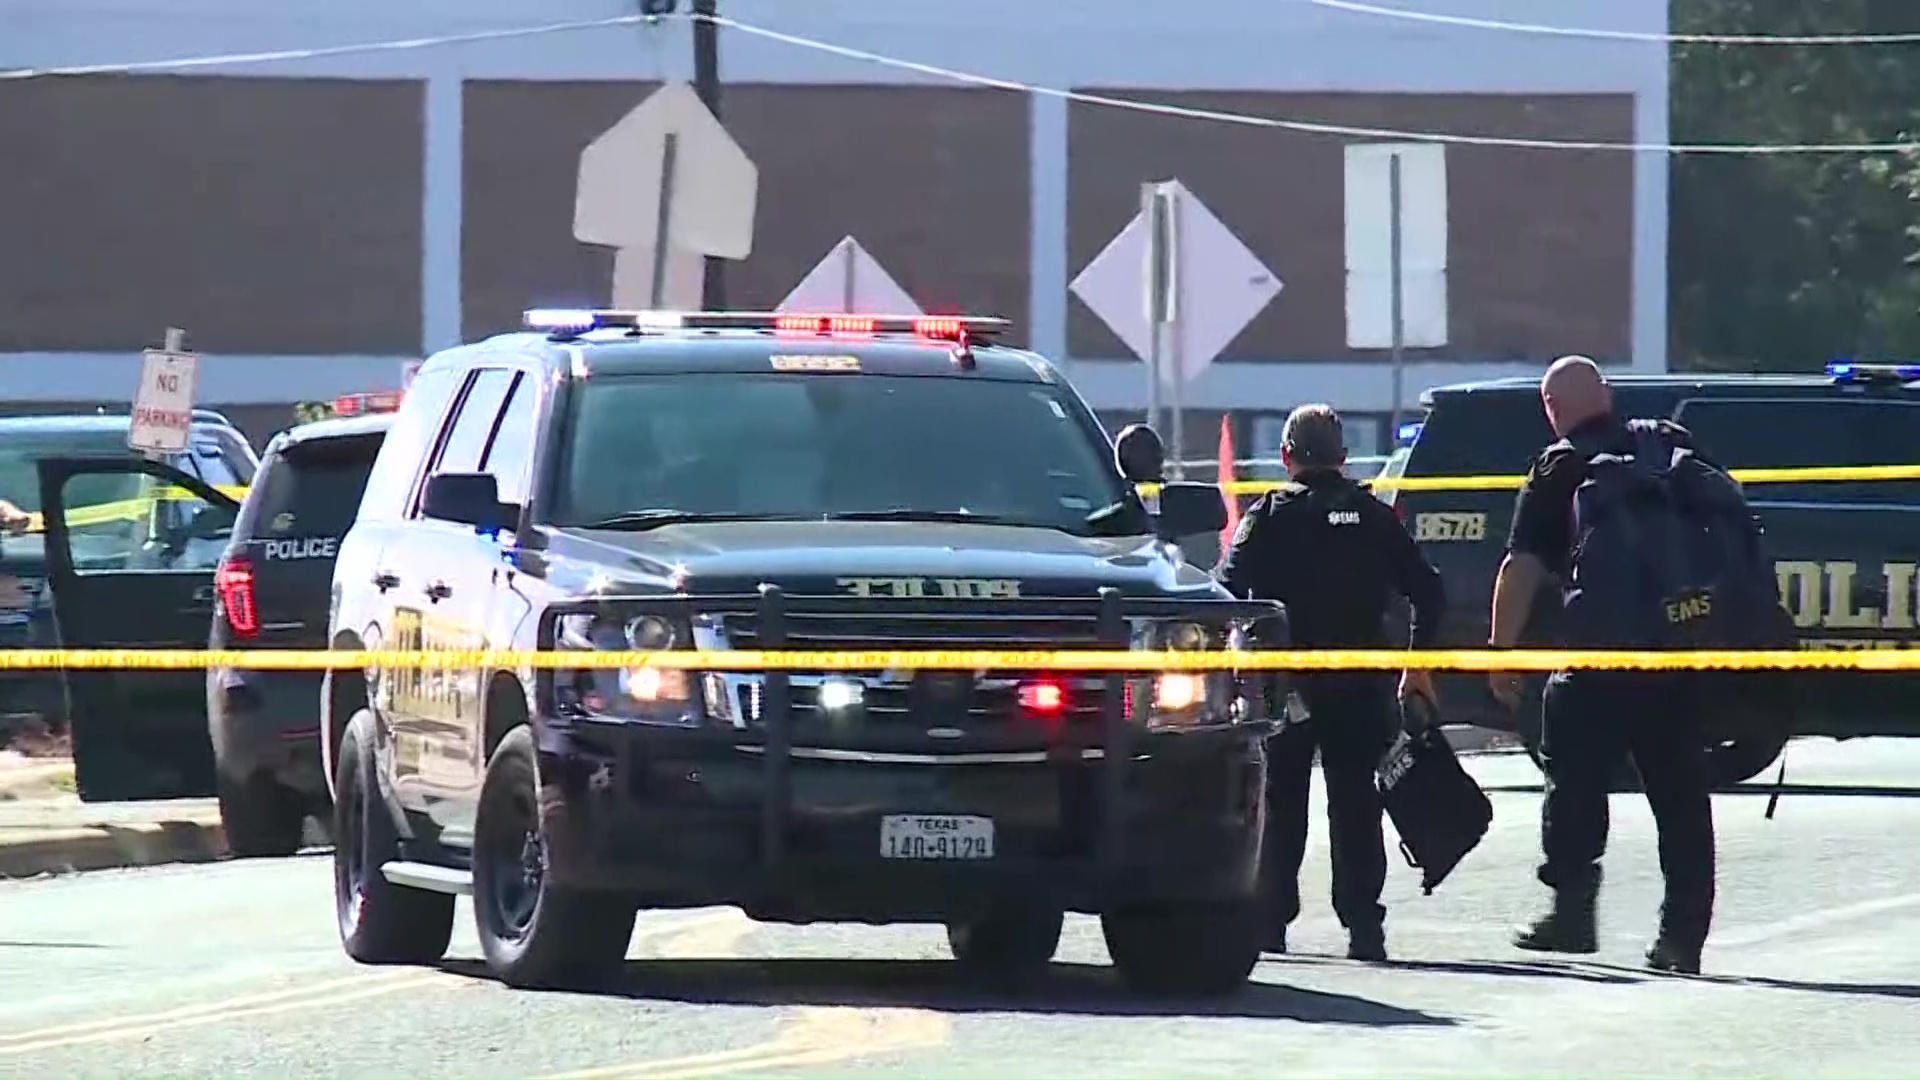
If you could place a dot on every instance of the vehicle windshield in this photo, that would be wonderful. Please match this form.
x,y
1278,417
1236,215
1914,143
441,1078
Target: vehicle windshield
x,y
20,478
786,446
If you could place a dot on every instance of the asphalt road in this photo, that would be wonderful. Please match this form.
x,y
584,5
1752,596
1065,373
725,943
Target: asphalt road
x,y
1814,970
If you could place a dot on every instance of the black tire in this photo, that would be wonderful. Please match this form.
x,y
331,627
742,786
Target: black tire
x,y
1012,942
380,922
534,932
263,819
1185,950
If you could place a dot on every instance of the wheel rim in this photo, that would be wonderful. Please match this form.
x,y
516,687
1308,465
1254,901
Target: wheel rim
x,y
519,871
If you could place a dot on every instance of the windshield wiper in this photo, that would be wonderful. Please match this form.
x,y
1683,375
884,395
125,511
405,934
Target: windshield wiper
x,y
957,517
642,520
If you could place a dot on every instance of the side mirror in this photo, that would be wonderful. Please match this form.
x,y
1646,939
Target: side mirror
x,y
1140,455
469,499
1188,509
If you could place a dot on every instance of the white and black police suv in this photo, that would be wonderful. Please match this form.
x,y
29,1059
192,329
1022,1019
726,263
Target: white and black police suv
x,y
725,481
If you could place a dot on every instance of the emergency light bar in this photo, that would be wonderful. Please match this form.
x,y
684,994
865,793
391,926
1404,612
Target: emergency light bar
x,y
1848,371
1409,432
366,404
940,327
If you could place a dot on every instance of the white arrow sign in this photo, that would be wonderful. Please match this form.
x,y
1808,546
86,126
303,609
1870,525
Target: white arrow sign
x,y
849,281
665,186
1222,286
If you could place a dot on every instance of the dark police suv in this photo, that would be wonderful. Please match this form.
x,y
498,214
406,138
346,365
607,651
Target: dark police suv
x,y
723,481
1845,553
271,591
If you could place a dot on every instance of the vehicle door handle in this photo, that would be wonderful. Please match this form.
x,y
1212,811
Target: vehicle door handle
x,y
439,591
384,581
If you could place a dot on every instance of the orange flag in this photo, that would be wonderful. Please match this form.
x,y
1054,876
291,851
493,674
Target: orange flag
x,y
1226,478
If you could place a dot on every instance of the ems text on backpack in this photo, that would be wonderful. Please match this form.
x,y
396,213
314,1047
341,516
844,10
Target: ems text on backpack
x,y
1667,554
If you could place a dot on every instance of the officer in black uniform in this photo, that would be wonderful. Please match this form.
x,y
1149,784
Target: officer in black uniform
x,y
1592,720
1336,557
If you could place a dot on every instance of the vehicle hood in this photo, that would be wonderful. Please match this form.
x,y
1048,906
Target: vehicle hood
x,y
823,558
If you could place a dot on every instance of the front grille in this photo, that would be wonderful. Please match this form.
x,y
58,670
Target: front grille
x,y
991,699
979,701
913,630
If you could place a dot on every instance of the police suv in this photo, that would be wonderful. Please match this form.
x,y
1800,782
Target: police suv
x,y
120,554
271,591
726,481
1845,553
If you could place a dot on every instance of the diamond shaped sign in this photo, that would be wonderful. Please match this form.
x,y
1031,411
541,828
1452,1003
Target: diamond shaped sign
x,y
849,281
1222,286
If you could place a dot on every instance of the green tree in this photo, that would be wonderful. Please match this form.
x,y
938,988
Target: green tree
x,y
1782,262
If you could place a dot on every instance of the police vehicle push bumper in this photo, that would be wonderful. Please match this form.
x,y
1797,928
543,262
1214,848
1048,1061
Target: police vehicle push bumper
x,y
713,788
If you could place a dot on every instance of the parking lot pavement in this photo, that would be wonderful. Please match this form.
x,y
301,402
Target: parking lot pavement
x,y
1813,969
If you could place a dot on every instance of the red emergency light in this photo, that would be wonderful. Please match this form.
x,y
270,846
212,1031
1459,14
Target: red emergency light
x,y
1044,698
939,327
364,404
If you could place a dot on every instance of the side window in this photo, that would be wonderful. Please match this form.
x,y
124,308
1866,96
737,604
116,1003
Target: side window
x,y
407,443
233,458
512,448
466,443
1790,434
155,527
1892,436
1779,434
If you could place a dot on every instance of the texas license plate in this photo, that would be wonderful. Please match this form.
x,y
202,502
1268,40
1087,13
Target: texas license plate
x,y
935,836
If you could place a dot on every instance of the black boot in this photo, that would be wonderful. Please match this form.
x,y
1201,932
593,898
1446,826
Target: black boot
x,y
1277,941
1670,954
1369,945
1572,926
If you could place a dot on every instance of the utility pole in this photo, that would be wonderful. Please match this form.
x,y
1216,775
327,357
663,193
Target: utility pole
x,y
706,83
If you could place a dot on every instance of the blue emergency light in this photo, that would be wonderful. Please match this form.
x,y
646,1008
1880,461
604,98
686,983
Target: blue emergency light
x,y
939,327
1408,432
1848,371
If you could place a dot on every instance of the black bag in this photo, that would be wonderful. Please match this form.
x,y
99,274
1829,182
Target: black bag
x,y
1439,811
1666,554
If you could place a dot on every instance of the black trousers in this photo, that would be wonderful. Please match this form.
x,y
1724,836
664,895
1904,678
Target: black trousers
x,y
1592,722
1352,721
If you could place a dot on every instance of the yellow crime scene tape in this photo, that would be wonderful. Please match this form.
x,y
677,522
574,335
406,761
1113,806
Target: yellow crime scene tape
x,y
129,509
1097,660
1819,474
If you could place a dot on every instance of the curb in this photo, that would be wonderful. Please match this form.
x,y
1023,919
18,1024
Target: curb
x,y
109,847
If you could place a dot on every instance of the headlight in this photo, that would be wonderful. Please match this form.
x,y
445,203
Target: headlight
x,y
1178,698
640,692
650,633
1188,637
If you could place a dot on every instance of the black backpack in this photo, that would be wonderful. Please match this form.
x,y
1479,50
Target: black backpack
x,y
1667,554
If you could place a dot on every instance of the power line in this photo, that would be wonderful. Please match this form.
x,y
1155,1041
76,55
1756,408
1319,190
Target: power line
x,y
1308,126
356,49
1651,37
970,78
